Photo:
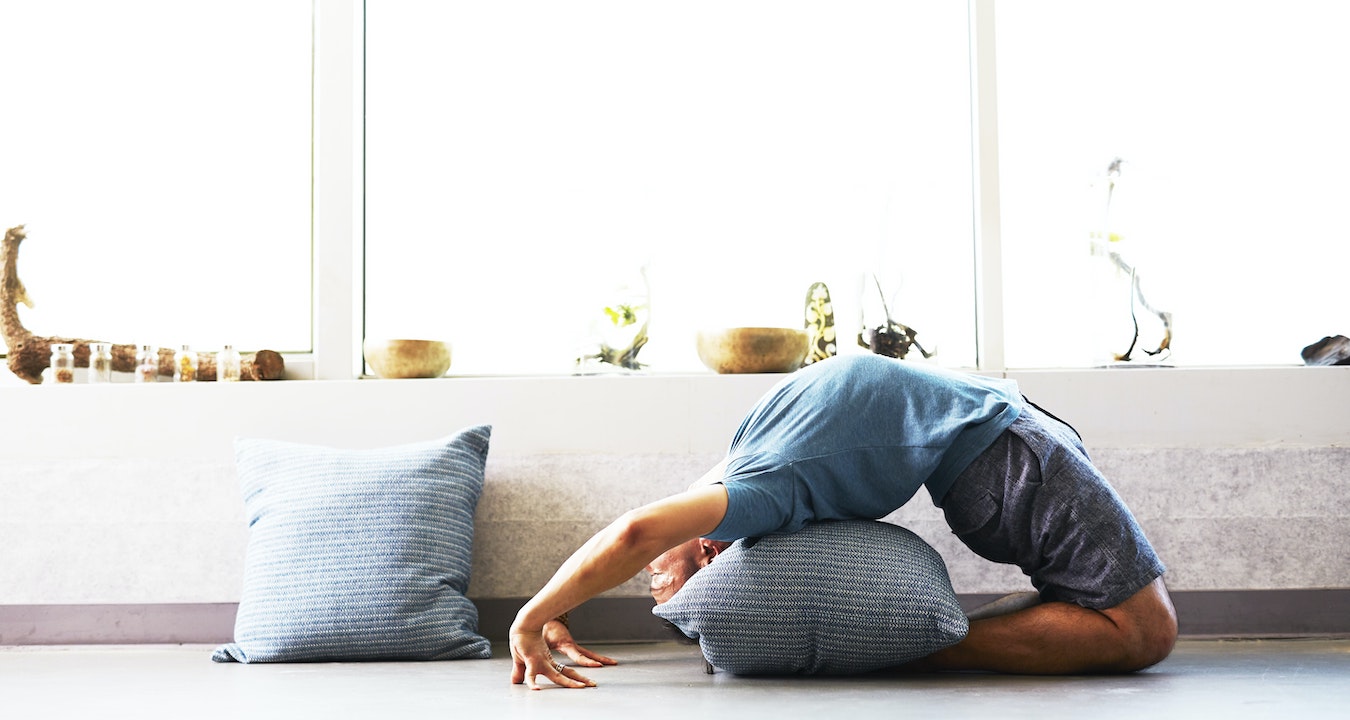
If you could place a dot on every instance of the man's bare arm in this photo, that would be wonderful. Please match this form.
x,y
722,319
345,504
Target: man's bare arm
x,y
609,558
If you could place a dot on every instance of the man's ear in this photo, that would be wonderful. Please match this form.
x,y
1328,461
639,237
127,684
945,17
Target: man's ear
x,y
709,549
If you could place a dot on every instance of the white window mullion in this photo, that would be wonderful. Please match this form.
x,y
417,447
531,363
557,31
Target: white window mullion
x,y
338,49
988,250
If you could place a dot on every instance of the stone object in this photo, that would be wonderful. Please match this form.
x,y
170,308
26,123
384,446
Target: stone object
x,y
1330,350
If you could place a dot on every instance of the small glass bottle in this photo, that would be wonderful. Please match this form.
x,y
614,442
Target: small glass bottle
x,y
63,363
100,363
228,365
147,364
185,365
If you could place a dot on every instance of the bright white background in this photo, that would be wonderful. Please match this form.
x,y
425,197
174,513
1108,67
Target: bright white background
x,y
158,153
1234,122
522,158
520,155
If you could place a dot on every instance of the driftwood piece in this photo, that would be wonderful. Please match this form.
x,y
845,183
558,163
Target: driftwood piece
x,y
30,355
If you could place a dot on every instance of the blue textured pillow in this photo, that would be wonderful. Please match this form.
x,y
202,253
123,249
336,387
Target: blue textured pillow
x,y
834,598
359,554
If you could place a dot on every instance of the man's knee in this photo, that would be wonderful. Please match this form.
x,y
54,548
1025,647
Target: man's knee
x,y
1149,622
1154,642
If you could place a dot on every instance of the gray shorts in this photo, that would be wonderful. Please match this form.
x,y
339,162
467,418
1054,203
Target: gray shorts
x,y
1034,500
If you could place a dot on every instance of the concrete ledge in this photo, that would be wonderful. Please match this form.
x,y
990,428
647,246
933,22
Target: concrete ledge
x,y
1316,612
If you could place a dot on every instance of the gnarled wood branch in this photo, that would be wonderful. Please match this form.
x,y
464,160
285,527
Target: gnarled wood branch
x,y
30,355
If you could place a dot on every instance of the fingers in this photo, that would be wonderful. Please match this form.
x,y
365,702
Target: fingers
x,y
602,659
557,673
584,661
582,656
592,659
569,677
531,658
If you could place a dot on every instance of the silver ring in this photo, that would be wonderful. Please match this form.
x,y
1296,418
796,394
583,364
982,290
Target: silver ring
x,y
557,667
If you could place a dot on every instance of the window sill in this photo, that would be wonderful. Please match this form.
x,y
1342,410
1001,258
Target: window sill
x,y
647,413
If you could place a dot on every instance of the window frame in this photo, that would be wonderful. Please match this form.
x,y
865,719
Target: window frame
x,y
1178,407
338,177
339,172
339,221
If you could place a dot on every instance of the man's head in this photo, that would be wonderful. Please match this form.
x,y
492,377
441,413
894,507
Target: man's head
x,y
674,567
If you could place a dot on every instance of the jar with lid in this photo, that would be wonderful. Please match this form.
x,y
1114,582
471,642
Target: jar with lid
x,y
147,364
185,365
228,364
100,362
63,363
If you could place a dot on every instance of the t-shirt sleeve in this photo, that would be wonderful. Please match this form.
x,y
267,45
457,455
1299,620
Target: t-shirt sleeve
x,y
757,505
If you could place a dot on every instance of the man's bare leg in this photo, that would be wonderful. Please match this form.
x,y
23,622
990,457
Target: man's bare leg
x,y
1062,638
1004,605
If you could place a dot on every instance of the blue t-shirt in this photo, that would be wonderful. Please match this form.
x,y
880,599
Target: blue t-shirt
x,y
855,436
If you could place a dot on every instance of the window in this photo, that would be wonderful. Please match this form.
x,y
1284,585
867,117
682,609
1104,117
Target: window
x,y
1231,120
158,153
526,159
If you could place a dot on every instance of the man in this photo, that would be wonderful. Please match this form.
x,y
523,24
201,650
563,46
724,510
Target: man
x,y
855,437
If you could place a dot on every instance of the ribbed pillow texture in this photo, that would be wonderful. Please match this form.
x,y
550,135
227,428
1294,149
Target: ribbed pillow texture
x,y
359,554
834,598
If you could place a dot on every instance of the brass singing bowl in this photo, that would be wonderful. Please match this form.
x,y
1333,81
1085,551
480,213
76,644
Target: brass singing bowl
x,y
753,349
407,358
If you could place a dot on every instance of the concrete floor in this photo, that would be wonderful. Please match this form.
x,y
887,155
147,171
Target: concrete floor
x,y
1234,679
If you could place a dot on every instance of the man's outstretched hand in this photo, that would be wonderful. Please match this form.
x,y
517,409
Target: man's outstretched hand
x,y
559,638
532,657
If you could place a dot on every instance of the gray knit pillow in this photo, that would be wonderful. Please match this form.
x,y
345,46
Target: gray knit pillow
x,y
834,598
359,554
